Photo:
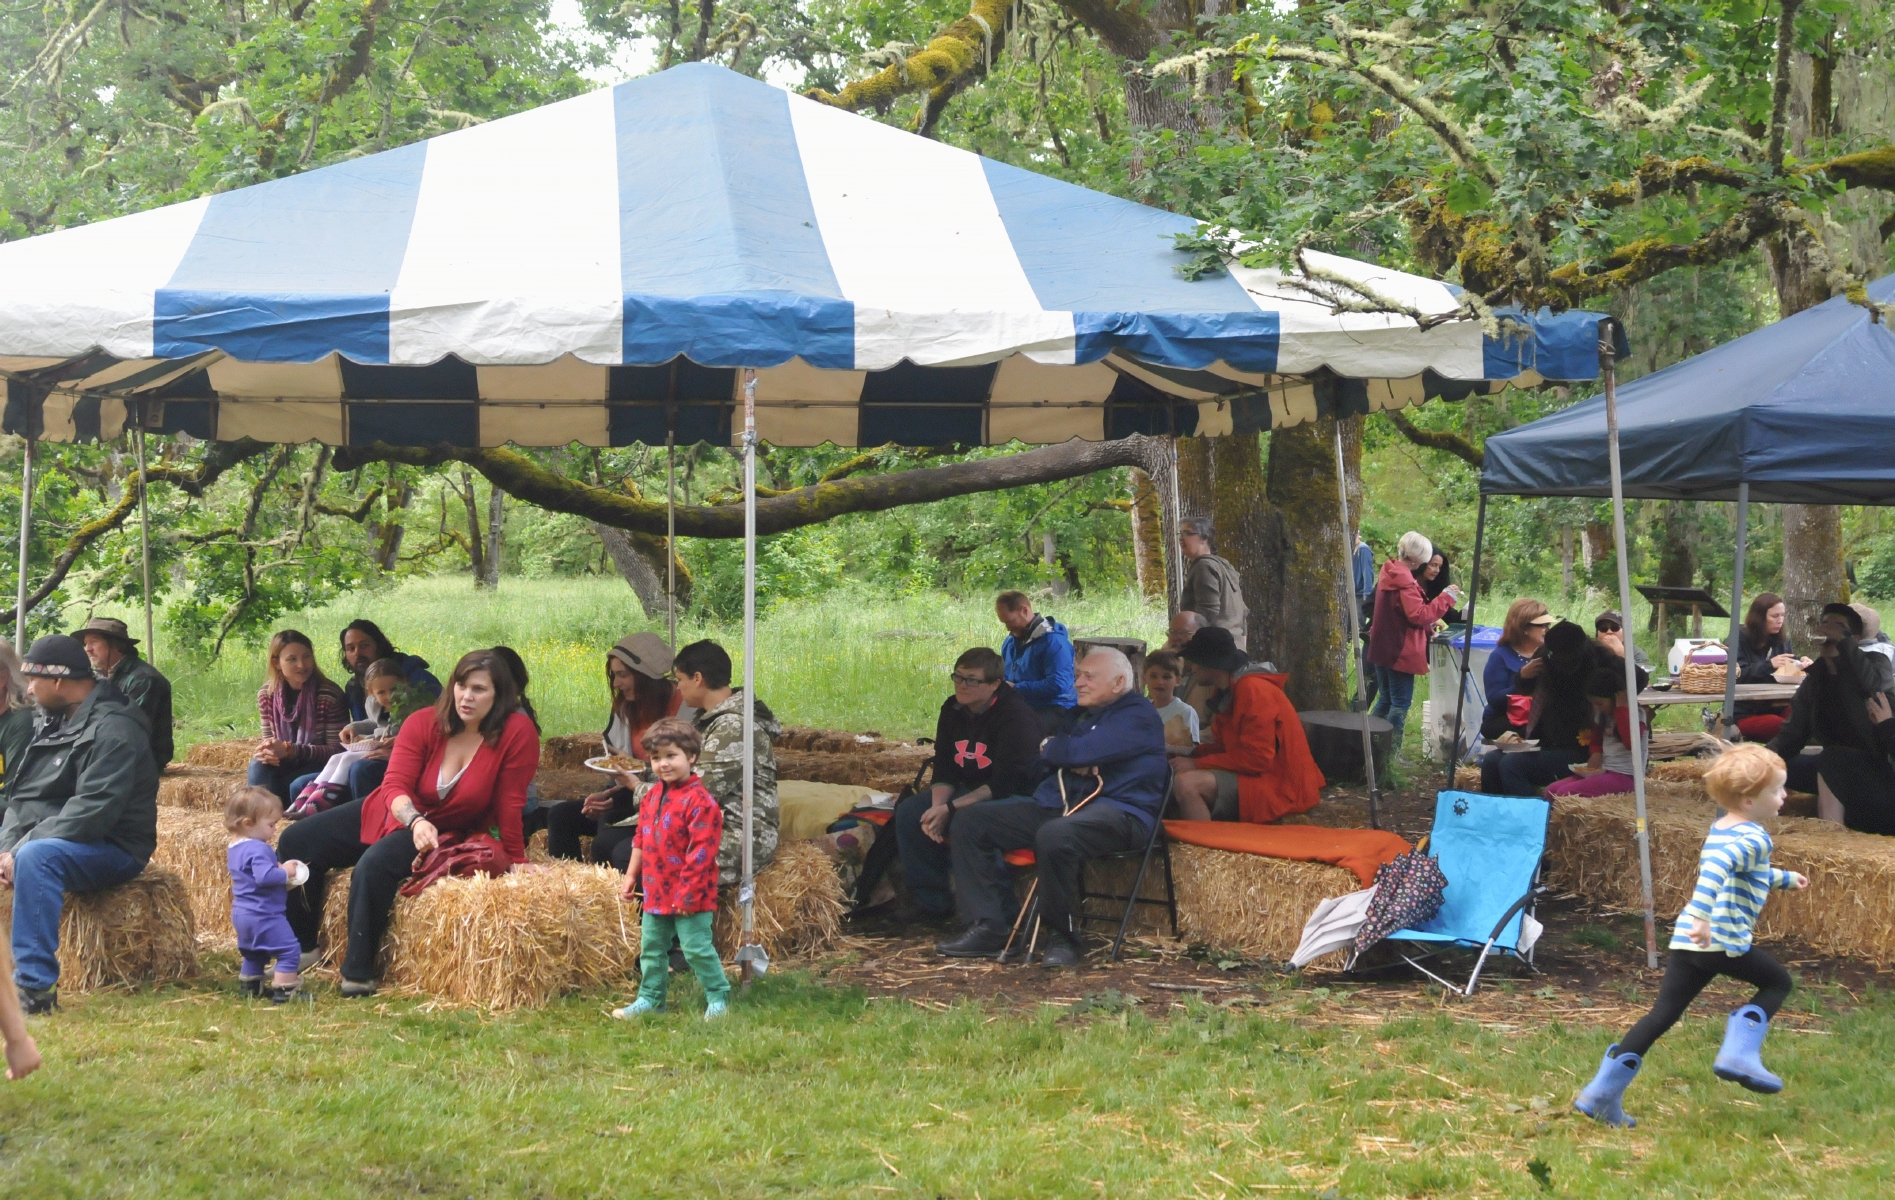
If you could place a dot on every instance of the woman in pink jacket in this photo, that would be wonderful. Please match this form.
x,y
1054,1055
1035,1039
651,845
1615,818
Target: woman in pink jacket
x,y
1398,633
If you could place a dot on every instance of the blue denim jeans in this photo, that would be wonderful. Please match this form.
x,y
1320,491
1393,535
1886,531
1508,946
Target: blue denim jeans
x,y
44,870
1394,694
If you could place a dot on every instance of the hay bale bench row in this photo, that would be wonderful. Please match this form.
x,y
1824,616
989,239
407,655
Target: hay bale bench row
x,y
141,933
1848,909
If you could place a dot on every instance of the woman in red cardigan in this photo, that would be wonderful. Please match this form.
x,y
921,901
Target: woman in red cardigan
x,y
461,767
1398,633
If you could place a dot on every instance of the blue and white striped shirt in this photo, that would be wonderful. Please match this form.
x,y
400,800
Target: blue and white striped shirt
x,y
1734,880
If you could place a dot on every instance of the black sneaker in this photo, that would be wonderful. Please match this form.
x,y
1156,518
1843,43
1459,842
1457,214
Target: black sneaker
x,y
251,988
285,994
37,1002
1060,952
981,940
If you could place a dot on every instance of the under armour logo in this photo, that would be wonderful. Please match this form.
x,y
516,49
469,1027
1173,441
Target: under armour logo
x,y
977,756
1460,808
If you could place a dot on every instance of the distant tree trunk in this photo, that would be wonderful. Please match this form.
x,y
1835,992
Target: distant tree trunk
x,y
496,512
1148,536
1566,560
1677,556
388,534
640,558
1598,546
476,543
1049,558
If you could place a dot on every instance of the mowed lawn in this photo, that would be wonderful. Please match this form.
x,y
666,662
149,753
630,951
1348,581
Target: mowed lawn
x,y
816,1090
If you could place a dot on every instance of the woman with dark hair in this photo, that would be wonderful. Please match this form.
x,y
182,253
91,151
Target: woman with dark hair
x,y
1434,579
636,668
1561,718
458,769
1763,649
1512,665
302,715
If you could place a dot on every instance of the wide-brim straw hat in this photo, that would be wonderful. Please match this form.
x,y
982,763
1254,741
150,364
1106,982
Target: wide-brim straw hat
x,y
110,627
645,653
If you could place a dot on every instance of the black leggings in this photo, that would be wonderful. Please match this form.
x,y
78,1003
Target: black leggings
x,y
1687,974
566,824
332,841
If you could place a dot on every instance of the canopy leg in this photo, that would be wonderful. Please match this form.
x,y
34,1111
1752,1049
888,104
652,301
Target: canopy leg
x,y
1355,636
26,543
1737,607
747,893
1467,642
144,539
671,537
1607,373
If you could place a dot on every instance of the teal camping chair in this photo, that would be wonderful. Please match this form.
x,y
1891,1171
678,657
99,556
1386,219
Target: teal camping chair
x,y
1489,849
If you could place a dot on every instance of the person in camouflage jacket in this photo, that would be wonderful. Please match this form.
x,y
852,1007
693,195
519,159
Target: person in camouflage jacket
x,y
703,672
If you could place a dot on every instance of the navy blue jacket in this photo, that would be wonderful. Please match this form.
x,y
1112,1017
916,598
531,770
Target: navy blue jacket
x,y
1126,741
1041,668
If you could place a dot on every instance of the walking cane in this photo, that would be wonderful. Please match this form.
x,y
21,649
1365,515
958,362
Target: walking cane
x,y
1033,888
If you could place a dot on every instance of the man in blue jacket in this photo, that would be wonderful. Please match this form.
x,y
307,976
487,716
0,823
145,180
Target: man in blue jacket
x,y
1039,660
1106,790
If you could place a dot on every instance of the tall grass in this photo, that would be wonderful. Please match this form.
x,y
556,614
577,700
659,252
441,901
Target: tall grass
x,y
851,660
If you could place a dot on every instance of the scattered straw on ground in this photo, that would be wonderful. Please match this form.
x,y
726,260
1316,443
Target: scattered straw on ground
x,y
222,756
137,934
798,910
202,788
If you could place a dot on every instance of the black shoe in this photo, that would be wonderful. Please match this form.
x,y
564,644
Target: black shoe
x,y
981,940
37,1002
678,961
285,994
1060,952
250,988
355,990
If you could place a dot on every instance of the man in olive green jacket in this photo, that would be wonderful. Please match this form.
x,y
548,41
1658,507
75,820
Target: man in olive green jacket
x,y
82,806
114,654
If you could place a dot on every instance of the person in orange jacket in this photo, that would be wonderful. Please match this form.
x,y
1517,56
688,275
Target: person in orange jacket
x,y
1257,766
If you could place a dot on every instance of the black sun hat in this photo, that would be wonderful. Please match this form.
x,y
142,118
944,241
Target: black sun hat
x,y
1214,648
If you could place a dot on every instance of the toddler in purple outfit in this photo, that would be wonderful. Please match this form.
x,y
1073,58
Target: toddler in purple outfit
x,y
259,891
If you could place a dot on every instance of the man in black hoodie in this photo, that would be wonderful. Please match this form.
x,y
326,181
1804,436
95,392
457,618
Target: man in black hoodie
x,y
986,744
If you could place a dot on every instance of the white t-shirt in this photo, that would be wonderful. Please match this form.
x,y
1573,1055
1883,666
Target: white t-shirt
x,y
1178,710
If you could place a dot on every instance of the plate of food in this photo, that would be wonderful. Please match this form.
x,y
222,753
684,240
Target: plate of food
x,y
1513,743
1788,677
613,764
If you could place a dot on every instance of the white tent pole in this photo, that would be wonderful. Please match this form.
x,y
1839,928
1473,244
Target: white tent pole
x,y
144,539
671,535
1737,608
1607,372
1355,635
747,894
26,528
1467,642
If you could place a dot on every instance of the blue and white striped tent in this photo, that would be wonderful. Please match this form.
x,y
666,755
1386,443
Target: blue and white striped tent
x,y
597,270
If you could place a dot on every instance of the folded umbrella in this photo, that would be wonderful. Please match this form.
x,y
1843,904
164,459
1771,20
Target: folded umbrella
x,y
1333,926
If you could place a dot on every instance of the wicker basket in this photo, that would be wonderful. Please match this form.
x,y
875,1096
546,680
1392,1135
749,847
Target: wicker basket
x,y
1702,679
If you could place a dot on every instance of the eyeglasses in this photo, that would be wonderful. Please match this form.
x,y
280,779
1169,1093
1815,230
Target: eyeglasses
x,y
1610,628
961,680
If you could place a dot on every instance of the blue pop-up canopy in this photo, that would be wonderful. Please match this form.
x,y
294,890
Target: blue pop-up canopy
x,y
1802,411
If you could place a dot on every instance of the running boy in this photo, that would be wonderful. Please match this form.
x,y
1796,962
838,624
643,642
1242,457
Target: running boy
x,y
259,892
1164,670
674,854
1713,935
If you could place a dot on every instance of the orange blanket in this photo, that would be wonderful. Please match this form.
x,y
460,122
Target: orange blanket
x,y
1360,850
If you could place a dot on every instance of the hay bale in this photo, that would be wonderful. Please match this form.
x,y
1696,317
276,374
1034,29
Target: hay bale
x,y
570,751
1682,782
196,845
565,783
515,941
222,756
139,933
202,788
1249,904
1849,909
798,910
876,772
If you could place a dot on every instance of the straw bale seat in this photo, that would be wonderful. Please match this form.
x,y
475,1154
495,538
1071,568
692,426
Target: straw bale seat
x,y
138,934
1848,910
201,788
519,941
222,756
569,752
194,844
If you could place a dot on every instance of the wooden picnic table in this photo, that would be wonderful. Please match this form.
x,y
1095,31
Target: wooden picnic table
x,y
1745,691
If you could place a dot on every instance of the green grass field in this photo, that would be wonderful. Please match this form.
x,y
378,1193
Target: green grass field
x,y
819,1091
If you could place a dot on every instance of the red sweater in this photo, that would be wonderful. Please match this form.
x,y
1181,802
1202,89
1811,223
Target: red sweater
x,y
489,797
1398,633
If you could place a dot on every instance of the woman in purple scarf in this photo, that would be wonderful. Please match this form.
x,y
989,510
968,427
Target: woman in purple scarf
x,y
303,715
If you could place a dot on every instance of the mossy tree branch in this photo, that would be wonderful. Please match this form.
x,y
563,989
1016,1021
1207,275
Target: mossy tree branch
x,y
524,479
1437,439
950,61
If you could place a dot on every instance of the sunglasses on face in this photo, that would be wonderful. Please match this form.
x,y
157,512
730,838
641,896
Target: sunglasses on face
x,y
1609,628
961,680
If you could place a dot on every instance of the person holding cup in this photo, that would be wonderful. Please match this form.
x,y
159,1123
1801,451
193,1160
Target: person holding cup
x,y
1398,634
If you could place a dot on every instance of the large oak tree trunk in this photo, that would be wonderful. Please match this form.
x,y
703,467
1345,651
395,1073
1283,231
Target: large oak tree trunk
x,y
640,558
1148,536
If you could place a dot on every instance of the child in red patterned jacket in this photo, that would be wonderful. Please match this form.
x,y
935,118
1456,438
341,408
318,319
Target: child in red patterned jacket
x,y
674,855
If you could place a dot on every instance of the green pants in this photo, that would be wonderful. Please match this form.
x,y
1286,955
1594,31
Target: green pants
x,y
694,936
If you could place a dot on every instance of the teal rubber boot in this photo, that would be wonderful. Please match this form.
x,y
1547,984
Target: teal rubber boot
x,y
1600,1098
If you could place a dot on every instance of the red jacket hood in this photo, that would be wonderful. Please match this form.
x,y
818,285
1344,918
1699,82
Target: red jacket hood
x,y
1395,576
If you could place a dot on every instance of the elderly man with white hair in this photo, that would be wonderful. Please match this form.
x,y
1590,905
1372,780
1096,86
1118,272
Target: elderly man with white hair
x,y
1104,792
1398,634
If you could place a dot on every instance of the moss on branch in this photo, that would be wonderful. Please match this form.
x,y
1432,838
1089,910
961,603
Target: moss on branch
x,y
950,60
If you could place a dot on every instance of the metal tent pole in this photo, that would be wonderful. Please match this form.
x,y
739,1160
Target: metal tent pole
x,y
144,540
1608,373
26,527
671,536
747,893
1467,641
1737,607
1172,555
1355,635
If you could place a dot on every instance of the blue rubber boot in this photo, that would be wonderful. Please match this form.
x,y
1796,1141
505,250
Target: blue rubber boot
x,y
1600,1098
1738,1059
